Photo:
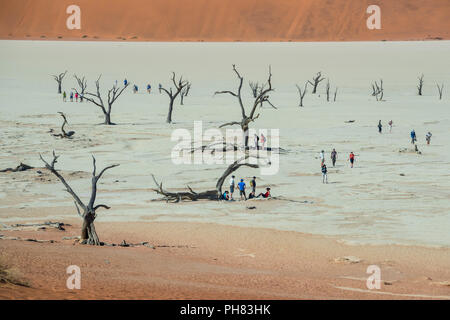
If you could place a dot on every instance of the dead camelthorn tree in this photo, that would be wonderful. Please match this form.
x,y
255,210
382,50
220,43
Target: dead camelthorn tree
x,y
82,83
377,90
335,94
420,85
185,92
316,81
204,195
63,133
440,90
88,214
173,93
96,98
59,78
301,93
262,96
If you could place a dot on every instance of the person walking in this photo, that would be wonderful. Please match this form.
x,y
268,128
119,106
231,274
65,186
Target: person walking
x,y
76,96
390,126
380,126
256,141
71,97
324,173
232,184
253,185
263,141
322,157
333,157
351,158
125,82
149,88
413,137
428,137
64,96
242,187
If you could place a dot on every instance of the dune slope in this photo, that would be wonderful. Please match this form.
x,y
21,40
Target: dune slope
x,y
225,20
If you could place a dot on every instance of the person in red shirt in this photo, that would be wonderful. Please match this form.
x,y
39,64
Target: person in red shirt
x,y
352,159
264,195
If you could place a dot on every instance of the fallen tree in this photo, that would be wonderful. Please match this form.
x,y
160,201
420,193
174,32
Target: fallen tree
x,y
88,233
215,194
20,167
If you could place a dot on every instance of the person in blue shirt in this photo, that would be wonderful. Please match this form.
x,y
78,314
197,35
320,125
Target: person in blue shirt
x,y
241,186
413,136
225,196
149,88
125,82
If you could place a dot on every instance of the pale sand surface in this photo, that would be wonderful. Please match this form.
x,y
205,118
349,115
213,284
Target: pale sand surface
x,y
372,204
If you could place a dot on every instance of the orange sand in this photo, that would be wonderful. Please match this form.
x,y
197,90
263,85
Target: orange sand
x,y
225,20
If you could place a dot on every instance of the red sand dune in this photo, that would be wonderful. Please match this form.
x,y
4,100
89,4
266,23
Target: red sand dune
x,y
225,20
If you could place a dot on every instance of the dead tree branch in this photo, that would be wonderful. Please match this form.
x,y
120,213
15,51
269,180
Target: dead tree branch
x,y
82,83
440,90
63,133
377,90
184,93
316,81
302,93
420,85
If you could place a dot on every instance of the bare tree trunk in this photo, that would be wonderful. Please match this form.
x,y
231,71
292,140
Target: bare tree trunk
x,y
108,119
169,115
328,90
335,94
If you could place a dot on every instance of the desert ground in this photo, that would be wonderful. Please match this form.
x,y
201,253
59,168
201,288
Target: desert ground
x,y
225,20
313,240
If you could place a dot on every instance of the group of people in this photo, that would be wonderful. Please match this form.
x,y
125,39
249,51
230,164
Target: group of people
x,y
412,134
136,88
414,137
228,195
380,126
333,156
72,96
259,143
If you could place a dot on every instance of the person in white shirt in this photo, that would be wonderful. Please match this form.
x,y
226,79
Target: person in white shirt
x,y
322,157
232,184
428,137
